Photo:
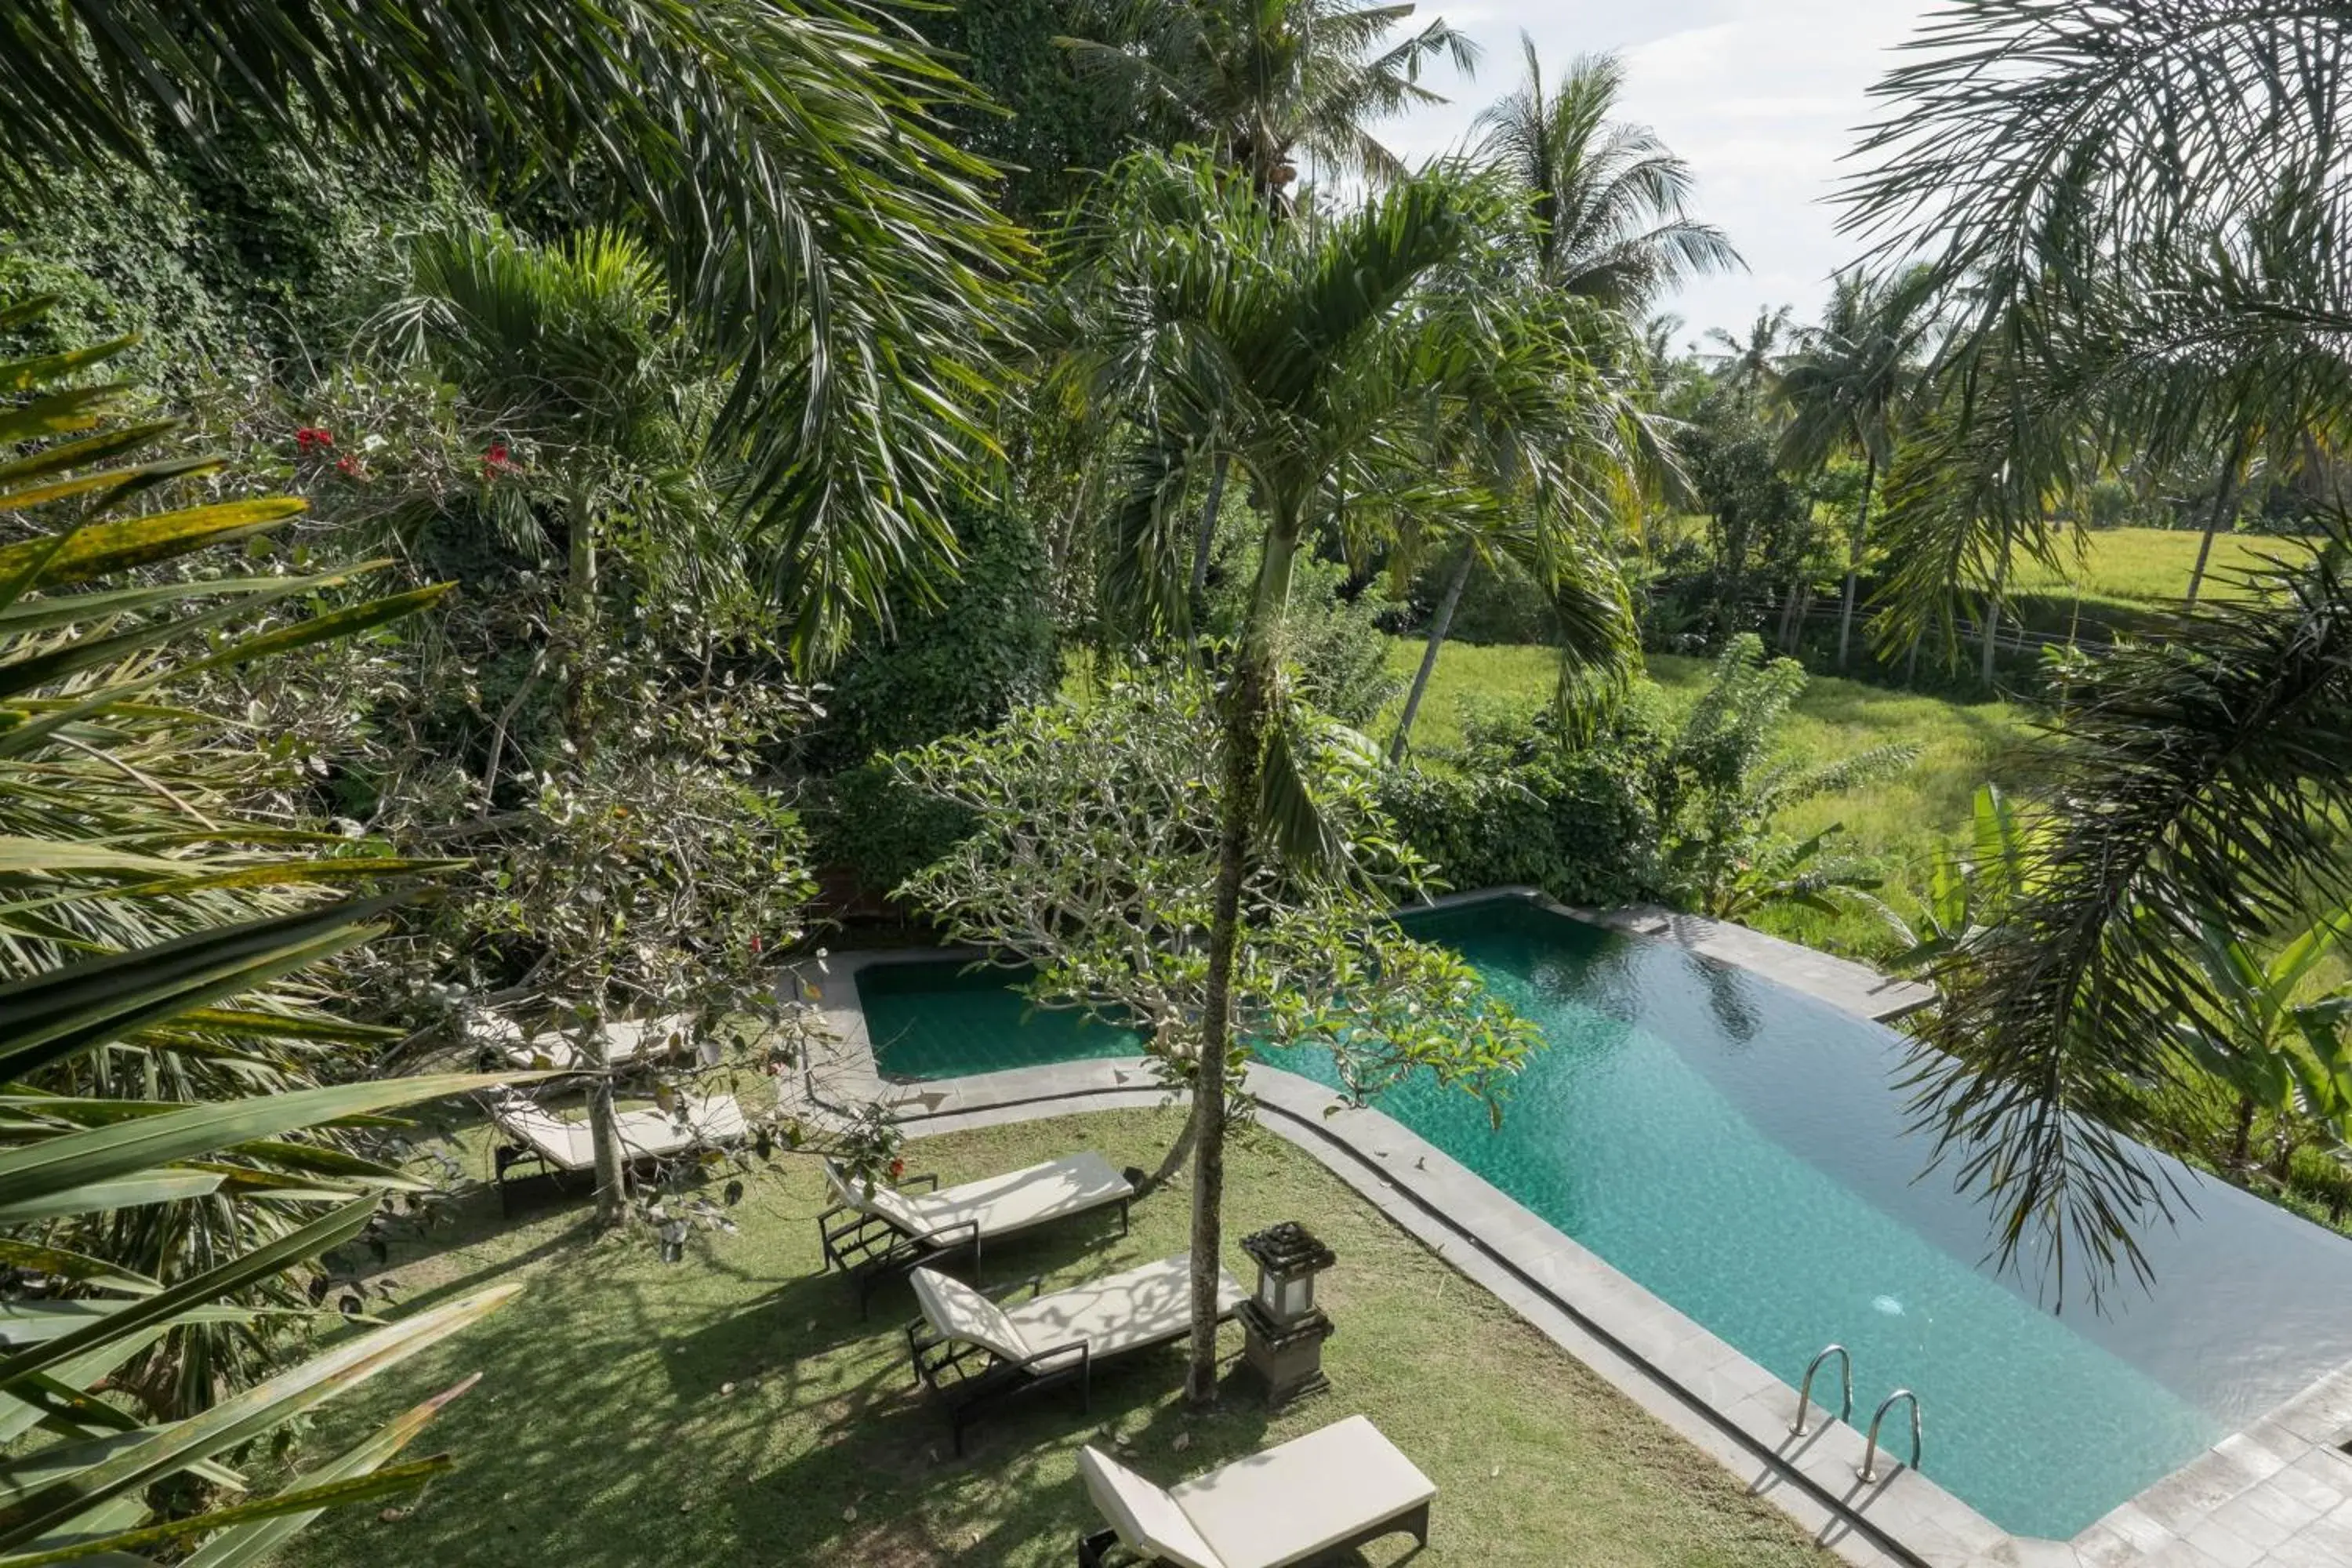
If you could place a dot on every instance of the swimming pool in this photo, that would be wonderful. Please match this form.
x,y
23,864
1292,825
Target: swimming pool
x,y
1742,1152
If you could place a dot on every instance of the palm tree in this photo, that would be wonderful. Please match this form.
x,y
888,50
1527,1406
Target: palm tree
x,y
571,349
1319,365
1261,83
2144,186
1610,224
1749,367
1845,389
833,249
1612,203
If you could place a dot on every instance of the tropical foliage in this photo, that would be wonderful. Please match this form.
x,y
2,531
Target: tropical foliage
x,y
1339,369
830,249
2132,216
165,1152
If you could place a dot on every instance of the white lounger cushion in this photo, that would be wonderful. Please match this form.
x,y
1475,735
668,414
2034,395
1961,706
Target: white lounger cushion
x,y
1123,1311
625,1040
650,1134
999,1206
957,1312
994,1205
1146,1518
1276,1508
565,1144
1140,1307
1310,1493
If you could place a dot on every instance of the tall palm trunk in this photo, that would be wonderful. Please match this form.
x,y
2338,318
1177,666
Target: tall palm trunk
x,y
1438,624
1993,610
1206,540
578,703
1248,703
1855,556
2225,490
580,610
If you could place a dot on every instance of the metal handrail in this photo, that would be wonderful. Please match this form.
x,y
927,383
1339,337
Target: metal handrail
x,y
1805,1389
1870,1452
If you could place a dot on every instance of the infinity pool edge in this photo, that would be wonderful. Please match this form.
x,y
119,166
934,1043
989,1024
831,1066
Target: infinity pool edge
x,y
2277,1494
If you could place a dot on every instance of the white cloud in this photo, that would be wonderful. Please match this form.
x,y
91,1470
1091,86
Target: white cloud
x,y
1762,96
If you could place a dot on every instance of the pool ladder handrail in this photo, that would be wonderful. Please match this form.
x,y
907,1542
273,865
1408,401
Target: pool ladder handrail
x,y
1870,1452
1805,1389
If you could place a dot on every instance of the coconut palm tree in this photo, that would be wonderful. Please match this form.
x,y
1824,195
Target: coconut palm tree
x,y
2148,184
1846,387
1749,367
1262,83
1609,223
1612,202
1372,368
832,249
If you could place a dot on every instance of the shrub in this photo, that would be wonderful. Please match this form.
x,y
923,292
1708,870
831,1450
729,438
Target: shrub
x,y
1528,808
871,823
961,665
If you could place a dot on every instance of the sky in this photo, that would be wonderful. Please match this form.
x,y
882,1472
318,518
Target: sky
x,y
1761,97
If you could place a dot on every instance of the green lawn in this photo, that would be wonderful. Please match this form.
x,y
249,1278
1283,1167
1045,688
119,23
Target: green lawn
x,y
2144,565
734,1409
1898,822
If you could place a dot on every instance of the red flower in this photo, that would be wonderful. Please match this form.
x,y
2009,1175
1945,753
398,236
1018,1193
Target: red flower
x,y
898,1169
755,942
312,438
494,460
345,466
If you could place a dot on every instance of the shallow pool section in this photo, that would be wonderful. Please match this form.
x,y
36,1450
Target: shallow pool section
x,y
1742,1152
929,1020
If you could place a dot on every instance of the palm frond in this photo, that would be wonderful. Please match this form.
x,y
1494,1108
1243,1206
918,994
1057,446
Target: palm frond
x,y
2201,779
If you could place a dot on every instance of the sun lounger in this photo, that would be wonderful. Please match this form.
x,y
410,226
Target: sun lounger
x,y
559,1146
871,1234
975,1352
1311,1499
502,1044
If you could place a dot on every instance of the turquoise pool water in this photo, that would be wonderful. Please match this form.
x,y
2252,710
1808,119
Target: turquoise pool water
x,y
934,1020
1742,1152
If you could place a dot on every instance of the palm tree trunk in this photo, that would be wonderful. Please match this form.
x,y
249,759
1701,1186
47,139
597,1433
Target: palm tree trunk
x,y
580,605
1206,540
2242,1133
2225,488
1247,704
1992,608
1853,559
1438,624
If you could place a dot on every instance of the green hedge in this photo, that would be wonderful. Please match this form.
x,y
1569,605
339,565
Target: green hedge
x,y
960,666
1576,825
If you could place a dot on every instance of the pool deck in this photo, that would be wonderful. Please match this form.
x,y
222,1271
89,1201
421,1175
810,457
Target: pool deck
x,y
2277,1494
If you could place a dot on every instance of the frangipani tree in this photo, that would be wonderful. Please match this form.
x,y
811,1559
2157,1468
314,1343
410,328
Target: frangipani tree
x,y
1097,858
1326,364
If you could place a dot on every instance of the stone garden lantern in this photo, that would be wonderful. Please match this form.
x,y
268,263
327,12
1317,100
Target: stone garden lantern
x,y
1282,1329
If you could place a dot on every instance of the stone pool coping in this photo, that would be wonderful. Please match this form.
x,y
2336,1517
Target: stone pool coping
x,y
2277,1494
